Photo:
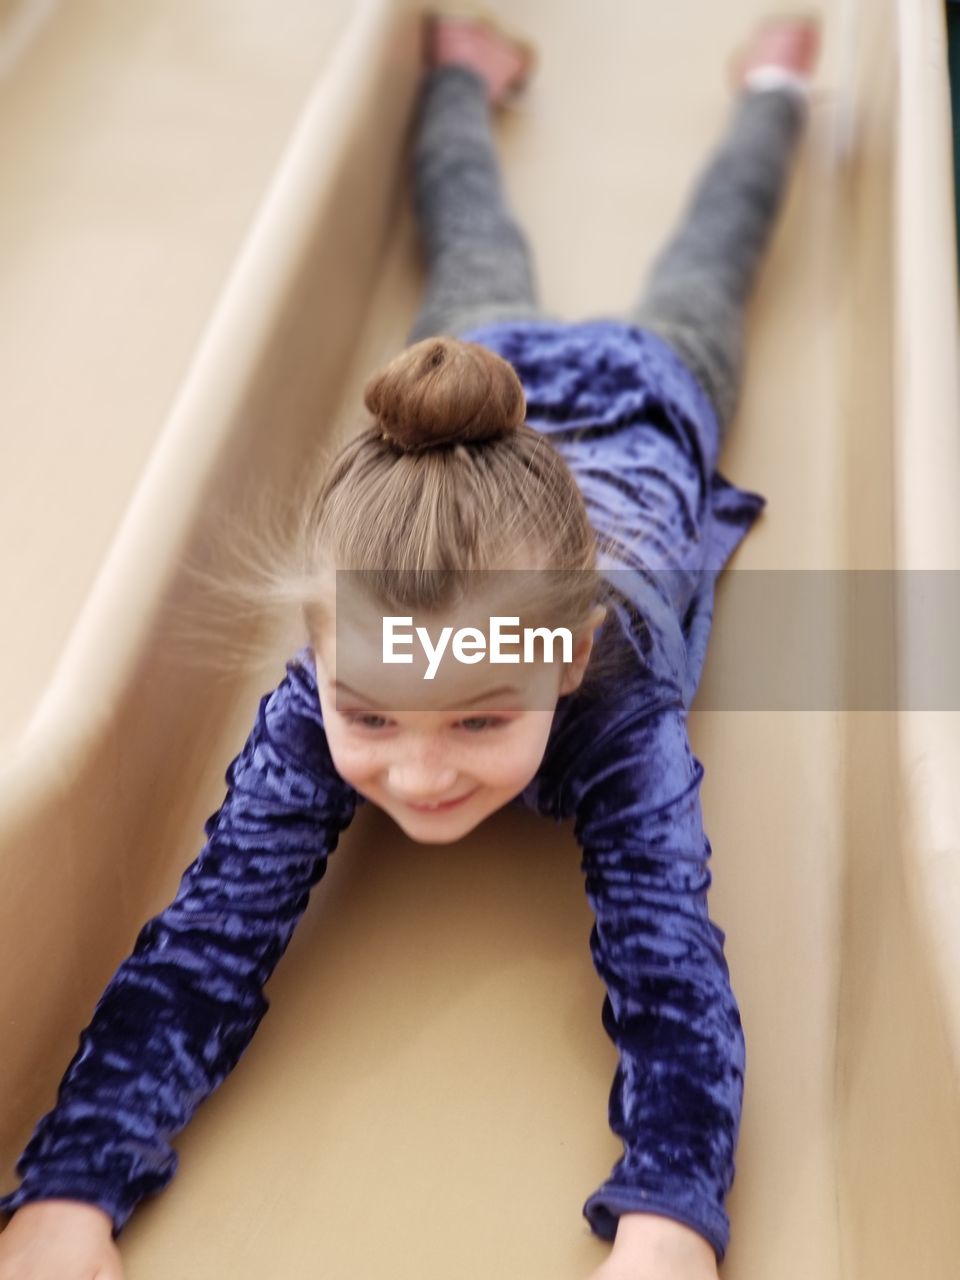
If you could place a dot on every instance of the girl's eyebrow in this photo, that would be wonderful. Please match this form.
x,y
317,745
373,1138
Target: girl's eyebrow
x,y
465,702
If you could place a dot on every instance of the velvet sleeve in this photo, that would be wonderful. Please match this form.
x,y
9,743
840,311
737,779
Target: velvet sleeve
x,y
181,1009
669,1009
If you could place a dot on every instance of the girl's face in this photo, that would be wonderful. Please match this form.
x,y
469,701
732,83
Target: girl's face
x,y
474,741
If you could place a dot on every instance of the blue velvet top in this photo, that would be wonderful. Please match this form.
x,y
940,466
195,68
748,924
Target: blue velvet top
x,y
642,439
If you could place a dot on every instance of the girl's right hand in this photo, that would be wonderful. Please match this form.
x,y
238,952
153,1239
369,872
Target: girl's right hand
x,y
649,1246
59,1240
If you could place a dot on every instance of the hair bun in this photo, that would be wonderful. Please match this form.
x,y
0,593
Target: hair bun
x,y
443,391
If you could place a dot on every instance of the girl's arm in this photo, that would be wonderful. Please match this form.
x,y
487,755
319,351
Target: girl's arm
x,y
677,1092
180,1010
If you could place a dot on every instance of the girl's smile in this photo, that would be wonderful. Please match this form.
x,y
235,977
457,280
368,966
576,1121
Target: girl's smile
x,y
442,805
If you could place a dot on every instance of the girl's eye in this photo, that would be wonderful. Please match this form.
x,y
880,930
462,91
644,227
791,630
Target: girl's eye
x,y
485,722
360,719
478,723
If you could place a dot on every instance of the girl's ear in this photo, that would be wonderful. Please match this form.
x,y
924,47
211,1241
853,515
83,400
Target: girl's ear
x,y
582,645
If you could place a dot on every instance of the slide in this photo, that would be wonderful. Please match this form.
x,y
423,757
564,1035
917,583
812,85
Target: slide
x,y
207,245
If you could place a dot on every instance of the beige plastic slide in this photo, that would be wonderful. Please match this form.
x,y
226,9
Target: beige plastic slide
x,y
206,244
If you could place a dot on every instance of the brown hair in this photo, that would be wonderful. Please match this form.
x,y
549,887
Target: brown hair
x,y
446,480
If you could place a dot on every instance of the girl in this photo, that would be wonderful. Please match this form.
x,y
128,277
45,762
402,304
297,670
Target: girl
x,y
503,439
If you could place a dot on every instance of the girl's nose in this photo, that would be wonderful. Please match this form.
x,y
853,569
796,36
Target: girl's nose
x,y
417,781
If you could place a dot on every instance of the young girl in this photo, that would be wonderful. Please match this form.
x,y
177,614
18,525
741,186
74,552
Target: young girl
x,y
503,439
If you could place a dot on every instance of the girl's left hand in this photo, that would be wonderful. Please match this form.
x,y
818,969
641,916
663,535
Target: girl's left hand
x,y
651,1247
620,1267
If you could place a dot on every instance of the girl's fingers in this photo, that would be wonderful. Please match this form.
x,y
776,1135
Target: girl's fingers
x,y
110,1271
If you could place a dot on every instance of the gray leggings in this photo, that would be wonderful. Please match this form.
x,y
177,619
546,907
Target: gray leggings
x,y
480,267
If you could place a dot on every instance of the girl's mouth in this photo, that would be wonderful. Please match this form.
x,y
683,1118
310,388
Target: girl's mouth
x,y
446,804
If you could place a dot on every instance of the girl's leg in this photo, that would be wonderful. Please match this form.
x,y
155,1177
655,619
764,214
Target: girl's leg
x,y
478,260
698,286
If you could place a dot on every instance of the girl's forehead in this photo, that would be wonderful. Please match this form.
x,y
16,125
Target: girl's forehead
x,y
479,648
435,670
429,680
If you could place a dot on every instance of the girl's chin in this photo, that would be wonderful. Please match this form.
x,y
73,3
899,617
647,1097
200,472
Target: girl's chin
x,y
437,832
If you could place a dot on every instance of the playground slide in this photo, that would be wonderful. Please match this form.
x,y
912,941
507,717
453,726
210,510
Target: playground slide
x,y
429,1090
